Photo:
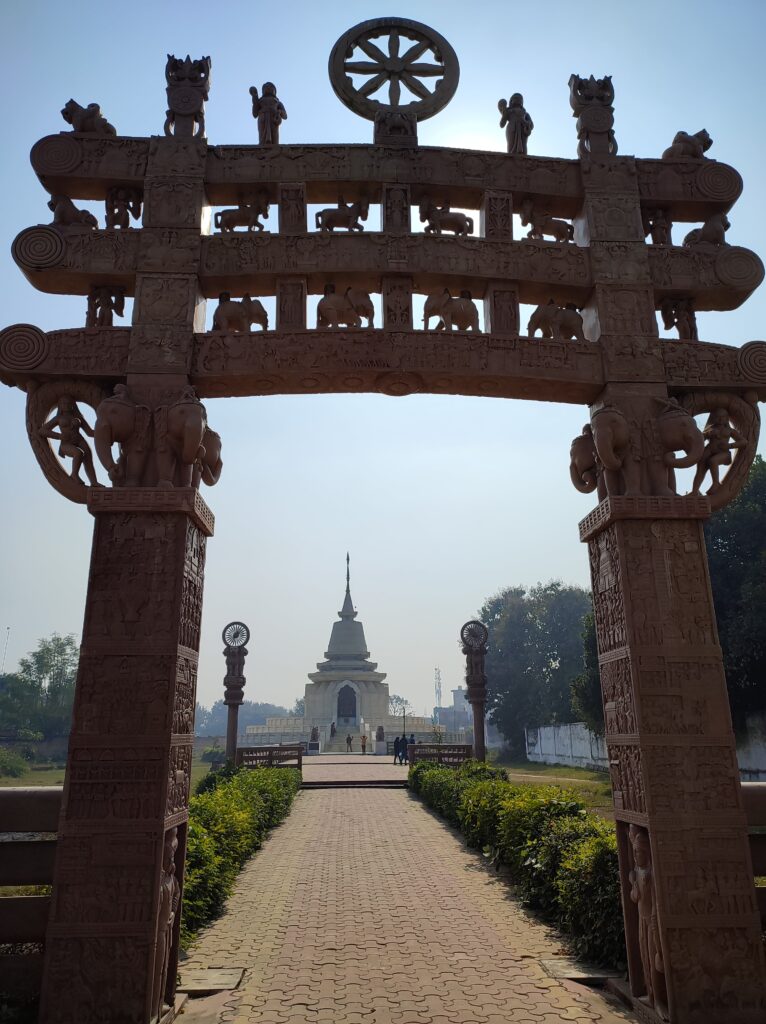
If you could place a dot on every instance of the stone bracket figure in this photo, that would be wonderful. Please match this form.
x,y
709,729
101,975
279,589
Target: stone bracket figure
x,y
170,899
642,893
54,414
441,218
269,112
730,439
517,123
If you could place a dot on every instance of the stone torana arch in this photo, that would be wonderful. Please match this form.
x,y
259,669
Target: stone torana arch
x,y
597,285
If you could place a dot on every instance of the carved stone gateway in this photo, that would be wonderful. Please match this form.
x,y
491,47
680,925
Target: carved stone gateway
x,y
136,392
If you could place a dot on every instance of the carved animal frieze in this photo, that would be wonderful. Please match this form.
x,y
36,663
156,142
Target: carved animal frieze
x,y
244,216
541,224
712,232
348,308
343,216
239,317
688,147
460,312
88,119
558,322
441,218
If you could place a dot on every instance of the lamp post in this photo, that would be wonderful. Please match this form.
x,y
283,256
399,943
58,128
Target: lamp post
x,y
235,636
473,637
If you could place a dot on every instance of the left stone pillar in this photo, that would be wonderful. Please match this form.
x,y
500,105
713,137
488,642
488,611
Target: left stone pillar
x,y
112,941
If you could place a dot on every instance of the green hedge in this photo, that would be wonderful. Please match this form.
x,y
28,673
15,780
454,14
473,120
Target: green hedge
x,y
228,819
12,764
561,858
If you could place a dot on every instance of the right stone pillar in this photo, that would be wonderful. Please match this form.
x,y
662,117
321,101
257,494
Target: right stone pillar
x,y
695,951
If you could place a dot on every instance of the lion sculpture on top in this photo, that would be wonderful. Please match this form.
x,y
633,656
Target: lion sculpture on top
x,y
88,119
688,147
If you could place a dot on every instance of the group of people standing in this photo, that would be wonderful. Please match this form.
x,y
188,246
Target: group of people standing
x,y
350,743
400,748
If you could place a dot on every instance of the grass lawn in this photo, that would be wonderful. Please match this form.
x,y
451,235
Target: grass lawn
x,y
53,775
594,788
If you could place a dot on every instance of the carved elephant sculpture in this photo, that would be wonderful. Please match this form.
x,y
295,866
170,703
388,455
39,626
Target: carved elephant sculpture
x,y
238,317
584,468
461,312
119,420
630,469
208,465
348,309
179,430
556,322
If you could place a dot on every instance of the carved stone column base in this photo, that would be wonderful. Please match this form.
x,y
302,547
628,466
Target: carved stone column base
x,y
112,940
691,922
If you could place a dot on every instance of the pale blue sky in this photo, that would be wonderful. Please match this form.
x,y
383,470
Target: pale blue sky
x,y
441,501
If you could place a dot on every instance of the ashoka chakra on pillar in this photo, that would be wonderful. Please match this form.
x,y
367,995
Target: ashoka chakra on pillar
x,y
55,154
38,248
738,268
751,360
22,347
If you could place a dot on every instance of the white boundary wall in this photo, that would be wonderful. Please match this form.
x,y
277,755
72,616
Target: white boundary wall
x,y
574,744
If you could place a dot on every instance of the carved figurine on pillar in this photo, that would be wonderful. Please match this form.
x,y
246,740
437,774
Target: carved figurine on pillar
x,y
643,895
679,313
188,87
473,638
67,216
269,113
103,302
170,898
71,426
721,439
591,101
235,636
121,205
541,224
659,226
517,123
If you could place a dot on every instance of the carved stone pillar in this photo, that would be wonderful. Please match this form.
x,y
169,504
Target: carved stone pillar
x,y
112,941
496,216
692,926
291,303
397,303
292,208
501,308
395,209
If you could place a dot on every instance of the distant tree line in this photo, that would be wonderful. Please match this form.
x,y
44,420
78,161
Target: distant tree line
x,y
212,721
542,663
36,700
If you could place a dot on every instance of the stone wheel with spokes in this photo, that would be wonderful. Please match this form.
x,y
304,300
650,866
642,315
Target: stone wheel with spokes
x,y
401,55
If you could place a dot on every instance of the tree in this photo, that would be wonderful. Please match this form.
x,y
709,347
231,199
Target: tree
x,y
299,707
587,704
397,705
737,557
535,651
213,721
39,697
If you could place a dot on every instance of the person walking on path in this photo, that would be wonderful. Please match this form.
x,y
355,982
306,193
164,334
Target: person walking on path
x,y
363,741
403,759
349,743
412,738
397,744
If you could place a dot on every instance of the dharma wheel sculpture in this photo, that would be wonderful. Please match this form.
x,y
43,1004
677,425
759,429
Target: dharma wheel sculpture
x,y
116,420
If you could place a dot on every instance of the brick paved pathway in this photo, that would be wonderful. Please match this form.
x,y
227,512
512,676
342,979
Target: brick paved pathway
x,y
363,908
352,767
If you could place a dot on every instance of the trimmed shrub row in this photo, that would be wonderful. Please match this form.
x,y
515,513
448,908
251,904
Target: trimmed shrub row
x,y
228,819
561,858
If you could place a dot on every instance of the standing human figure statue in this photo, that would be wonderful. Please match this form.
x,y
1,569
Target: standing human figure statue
x,y
269,113
721,439
170,896
642,893
71,426
517,123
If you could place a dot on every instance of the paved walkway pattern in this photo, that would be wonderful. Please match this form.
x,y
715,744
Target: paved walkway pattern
x,y
363,908
353,767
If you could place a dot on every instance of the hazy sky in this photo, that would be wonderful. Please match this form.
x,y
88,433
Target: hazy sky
x,y
441,501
